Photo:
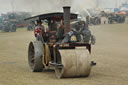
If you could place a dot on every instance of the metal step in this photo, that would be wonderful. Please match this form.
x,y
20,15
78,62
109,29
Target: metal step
x,y
55,65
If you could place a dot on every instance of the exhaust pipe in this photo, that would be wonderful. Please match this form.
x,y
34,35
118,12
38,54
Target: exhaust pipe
x,y
66,15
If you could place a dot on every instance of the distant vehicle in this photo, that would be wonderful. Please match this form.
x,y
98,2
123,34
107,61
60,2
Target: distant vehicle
x,y
116,17
0,22
9,22
30,26
95,20
93,16
12,20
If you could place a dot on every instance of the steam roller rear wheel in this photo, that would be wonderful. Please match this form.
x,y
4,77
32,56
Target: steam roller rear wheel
x,y
76,63
35,56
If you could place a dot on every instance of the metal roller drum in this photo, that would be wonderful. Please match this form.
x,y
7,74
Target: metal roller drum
x,y
35,56
76,63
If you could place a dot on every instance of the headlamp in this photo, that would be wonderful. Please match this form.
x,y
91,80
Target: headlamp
x,y
73,38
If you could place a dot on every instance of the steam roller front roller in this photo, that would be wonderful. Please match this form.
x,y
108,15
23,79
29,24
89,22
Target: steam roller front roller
x,y
76,63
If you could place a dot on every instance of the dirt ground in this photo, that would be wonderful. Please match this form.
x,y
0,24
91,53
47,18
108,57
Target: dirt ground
x,y
110,52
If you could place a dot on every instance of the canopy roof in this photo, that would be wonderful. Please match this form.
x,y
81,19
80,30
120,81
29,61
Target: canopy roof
x,y
50,16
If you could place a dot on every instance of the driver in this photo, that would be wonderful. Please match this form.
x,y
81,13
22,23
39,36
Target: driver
x,y
39,30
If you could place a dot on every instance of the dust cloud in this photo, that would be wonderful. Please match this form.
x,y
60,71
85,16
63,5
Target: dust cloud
x,y
42,6
46,6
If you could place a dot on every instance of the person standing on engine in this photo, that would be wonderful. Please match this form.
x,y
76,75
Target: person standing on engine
x,y
39,30
60,31
53,25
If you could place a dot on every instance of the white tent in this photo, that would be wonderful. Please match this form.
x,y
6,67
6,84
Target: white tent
x,y
124,9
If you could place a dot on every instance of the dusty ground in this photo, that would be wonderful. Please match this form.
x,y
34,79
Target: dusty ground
x,y
110,52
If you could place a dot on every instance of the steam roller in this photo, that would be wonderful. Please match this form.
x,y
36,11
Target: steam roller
x,y
66,50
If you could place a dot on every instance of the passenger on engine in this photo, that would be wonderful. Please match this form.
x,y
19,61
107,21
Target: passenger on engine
x,y
53,26
39,30
52,31
60,31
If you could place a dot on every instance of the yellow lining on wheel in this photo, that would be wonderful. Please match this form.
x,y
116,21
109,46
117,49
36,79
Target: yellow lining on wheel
x,y
46,55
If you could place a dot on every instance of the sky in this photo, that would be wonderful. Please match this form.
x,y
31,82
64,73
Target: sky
x,y
53,5
110,3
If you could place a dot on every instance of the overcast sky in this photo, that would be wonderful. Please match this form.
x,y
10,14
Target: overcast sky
x,y
32,5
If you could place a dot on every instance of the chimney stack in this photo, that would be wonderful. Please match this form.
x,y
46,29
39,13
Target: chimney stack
x,y
66,15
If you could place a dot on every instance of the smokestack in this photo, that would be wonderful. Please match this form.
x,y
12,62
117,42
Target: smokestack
x,y
66,10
